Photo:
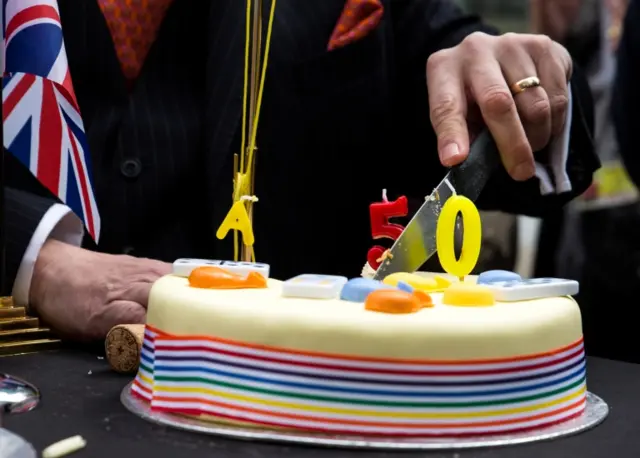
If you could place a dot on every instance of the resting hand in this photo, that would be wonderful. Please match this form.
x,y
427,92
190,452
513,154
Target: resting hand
x,y
81,294
470,86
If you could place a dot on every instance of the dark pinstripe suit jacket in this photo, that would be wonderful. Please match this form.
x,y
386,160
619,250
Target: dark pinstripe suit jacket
x,y
336,128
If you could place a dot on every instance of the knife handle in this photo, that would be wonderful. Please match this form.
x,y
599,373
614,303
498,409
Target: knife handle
x,y
470,177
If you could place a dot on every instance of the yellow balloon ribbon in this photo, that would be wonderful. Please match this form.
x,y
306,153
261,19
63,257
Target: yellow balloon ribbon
x,y
244,171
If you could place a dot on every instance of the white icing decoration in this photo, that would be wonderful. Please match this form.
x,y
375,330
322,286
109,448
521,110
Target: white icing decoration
x,y
313,286
184,267
368,271
534,288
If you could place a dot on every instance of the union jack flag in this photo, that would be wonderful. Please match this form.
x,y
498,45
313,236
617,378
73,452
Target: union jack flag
x,y
42,123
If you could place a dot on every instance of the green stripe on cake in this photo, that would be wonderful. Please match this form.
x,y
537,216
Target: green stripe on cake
x,y
310,397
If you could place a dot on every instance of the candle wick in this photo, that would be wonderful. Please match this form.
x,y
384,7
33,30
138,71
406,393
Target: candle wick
x,y
450,186
384,196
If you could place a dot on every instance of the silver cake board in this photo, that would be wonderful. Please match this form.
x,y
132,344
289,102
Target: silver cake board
x,y
595,413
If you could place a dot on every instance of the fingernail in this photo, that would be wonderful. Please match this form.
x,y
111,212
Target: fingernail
x,y
523,171
449,154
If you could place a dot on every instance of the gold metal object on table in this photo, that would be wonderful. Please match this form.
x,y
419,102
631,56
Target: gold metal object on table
x,y
20,333
6,302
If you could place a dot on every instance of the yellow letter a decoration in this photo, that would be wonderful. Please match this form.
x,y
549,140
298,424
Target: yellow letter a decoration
x,y
237,219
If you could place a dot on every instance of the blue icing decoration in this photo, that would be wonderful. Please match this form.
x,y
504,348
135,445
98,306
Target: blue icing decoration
x,y
404,286
357,289
496,276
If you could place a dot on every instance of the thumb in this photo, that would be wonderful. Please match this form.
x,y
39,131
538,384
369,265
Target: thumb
x,y
138,293
123,312
113,314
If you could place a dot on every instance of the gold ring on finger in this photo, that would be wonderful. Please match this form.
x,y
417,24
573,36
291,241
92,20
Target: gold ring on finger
x,y
524,84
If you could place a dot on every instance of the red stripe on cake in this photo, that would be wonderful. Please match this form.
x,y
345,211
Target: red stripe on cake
x,y
169,337
359,432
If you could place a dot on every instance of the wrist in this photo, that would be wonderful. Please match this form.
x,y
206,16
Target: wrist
x,y
42,270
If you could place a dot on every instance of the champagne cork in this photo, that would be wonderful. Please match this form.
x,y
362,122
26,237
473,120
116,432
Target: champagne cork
x,y
123,346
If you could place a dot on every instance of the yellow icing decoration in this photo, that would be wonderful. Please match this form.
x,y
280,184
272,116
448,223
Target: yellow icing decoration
x,y
413,280
442,282
217,278
397,301
471,237
468,295
237,219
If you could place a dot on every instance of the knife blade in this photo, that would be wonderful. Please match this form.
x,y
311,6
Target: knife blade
x,y
417,243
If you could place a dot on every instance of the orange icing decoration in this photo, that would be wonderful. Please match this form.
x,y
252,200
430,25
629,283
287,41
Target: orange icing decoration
x,y
397,301
216,278
423,297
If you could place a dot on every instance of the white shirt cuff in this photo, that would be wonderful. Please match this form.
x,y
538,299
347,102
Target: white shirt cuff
x,y
558,154
59,223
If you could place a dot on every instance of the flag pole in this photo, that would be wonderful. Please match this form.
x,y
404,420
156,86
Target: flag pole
x,y
3,279
3,276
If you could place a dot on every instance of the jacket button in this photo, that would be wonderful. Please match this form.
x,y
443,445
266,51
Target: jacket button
x,y
131,168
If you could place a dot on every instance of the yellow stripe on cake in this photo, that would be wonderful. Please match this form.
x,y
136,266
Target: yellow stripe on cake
x,y
458,414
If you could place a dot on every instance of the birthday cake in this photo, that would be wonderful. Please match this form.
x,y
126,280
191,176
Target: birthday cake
x,y
419,355
416,354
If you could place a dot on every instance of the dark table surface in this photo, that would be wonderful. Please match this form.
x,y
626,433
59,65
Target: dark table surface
x,y
82,396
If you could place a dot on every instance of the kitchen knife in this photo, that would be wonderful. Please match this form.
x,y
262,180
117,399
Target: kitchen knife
x,y
417,243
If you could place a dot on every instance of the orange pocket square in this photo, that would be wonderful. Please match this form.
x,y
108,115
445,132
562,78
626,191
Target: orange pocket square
x,y
359,18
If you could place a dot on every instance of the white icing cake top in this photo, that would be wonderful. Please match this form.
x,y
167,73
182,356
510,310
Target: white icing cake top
x,y
263,316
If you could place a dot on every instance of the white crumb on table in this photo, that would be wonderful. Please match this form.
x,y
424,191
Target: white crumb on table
x,y
64,447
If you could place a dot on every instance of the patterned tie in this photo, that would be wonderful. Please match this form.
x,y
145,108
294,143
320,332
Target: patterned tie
x,y
358,19
134,26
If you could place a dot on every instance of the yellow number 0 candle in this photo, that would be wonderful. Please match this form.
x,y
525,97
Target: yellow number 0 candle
x,y
471,238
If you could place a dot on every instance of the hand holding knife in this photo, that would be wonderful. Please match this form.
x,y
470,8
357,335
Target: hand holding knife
x,y
417,243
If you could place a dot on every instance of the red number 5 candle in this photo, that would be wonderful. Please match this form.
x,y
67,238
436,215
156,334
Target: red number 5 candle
x,y
381,228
